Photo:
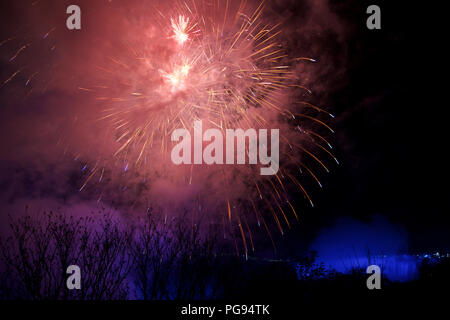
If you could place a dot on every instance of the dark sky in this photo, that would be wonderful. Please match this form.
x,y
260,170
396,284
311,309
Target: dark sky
x,y
384,86
392,129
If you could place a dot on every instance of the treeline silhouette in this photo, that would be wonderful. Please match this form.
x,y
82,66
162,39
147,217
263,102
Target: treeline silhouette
x,y
152,259
158,259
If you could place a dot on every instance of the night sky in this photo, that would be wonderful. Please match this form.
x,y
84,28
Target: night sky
x,y
383,86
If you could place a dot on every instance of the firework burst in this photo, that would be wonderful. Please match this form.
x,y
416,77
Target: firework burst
x,y
221,62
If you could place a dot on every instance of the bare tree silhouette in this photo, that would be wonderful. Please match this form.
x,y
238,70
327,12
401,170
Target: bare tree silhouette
x,y
173,261
39,250
151,259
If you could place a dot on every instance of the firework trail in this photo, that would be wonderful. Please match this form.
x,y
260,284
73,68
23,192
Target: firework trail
x,y
19,48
